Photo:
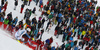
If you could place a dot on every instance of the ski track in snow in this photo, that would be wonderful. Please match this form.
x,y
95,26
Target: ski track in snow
x,y
15,13
7,43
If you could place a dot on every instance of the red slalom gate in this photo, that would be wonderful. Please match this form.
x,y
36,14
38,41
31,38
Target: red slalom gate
x,y
1,24
4,26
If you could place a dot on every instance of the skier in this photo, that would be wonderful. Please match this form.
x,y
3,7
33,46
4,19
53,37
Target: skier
x,y
26,35
16,3
22,7
19,33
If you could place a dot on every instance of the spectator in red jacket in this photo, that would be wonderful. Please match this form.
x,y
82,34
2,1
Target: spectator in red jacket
x,y
52,7
51,40
5,6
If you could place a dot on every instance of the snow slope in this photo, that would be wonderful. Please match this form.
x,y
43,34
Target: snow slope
x,y
7,43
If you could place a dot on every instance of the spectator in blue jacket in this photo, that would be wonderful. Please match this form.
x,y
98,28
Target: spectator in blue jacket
x,y
53,48
71,38
59,21
35,33
2,18
0,9
76,48
72,44
16,19
47,41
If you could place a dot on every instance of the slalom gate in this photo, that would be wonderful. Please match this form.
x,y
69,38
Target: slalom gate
x,y
12,30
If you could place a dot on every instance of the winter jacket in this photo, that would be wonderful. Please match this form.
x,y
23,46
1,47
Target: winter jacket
x,y
64,34
66,45
40,1
39,25
16,3
30,12
52,7
6,21
66,37
47,41
33,20
0,9
2,19
37,0
59,15
53,48
48,12
76,48
59,31
76,30
72,44
33,28
83,32
63,46
71,38
60,1
20,22
34,10
51,40
5,6
99,40
43,20
28,22
80,33
36,32
9,16
75,43
48,3
22,6
59,20
13,22
40,18
16,19
50,16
